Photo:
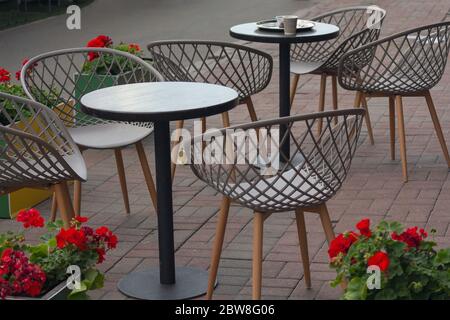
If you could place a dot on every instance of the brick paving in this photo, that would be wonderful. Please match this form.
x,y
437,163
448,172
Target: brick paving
x,y
374,189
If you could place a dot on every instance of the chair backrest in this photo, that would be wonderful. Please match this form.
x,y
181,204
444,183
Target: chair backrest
x,y
407,62
233,162
59,79
35,147
357,26
244,69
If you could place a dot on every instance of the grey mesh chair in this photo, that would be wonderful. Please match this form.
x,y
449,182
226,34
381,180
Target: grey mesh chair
x,y
61,78
405,64
240,170
242,68
36,151
358,26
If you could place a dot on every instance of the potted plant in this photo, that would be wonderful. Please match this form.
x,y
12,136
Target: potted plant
x,y
11,203
389,262
105,70
40,271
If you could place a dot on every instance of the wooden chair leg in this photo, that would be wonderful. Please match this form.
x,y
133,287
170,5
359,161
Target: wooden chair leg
x,y
179,126
218,243
401,136
326,223
437,127
147,173
225,119
323,87
303,241
123,181
77,197
251,109
258,227
294,87
334,95
367,118
64,203
54,208
392,125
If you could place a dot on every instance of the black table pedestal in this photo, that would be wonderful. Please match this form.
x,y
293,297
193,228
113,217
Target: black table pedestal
x,y
170,282
285,106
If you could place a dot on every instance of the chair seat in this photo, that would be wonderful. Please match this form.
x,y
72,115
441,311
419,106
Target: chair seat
x,y
305,67
108,135
292,189
41,170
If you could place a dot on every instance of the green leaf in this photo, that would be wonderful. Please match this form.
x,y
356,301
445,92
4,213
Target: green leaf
x,y
356,289
386,294
78,294
442,257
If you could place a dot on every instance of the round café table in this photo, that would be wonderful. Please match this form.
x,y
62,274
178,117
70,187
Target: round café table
x,y
251,32
160,103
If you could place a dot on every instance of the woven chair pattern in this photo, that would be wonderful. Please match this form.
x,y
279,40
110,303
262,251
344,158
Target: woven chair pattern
x,y
244,69
35,147
354,32
408,62
59,79
309,176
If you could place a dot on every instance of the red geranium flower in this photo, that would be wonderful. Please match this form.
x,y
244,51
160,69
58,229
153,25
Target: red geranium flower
x,y
341,244
30,218
71,236
81,219
24,62
18,276
379,259
100,41
134,47
364,227
411,237
103,233
101,255
5,75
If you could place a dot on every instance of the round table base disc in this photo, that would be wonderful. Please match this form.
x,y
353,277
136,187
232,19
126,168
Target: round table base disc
x,y
145,285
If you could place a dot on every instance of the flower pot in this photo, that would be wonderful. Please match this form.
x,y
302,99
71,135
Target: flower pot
x,y
59,292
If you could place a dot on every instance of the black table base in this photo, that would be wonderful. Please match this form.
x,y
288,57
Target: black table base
x,y
190,283
171,283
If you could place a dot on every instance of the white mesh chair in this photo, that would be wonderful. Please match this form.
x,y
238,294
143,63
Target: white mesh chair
x,y
305,180
61,78
406,64
358,26
245,69
36,151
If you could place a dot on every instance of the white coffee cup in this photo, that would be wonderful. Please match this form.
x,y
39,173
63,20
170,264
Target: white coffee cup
x,y
290,25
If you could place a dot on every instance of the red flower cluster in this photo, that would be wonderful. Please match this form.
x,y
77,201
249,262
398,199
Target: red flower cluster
x,y
71,236
100,41
134,47
24,62
380,259
411,237
84,238
106,235
30,218
364,227
341,244
5,75
18,276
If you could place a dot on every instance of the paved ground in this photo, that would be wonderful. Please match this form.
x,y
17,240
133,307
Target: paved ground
x,y
140,21
373,189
